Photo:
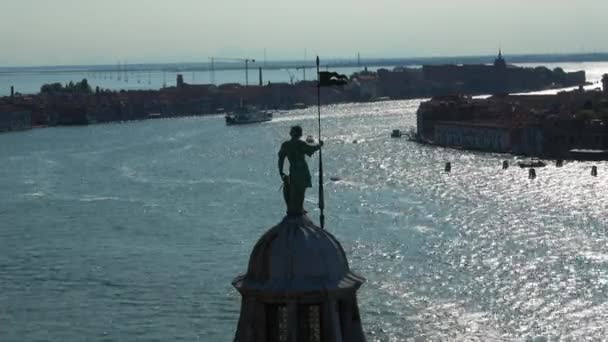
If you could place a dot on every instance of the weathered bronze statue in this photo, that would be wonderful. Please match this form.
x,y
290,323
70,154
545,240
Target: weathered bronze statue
x,y
295,184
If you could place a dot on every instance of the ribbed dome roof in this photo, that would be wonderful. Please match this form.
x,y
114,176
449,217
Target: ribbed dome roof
x,y
296,256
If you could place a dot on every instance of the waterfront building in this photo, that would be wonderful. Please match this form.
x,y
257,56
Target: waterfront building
x,y
537,125
528,140
365,85
443,108
485,136
298,287
563,135
14,119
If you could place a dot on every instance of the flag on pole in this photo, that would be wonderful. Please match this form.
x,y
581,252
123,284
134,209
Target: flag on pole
x,y
328,79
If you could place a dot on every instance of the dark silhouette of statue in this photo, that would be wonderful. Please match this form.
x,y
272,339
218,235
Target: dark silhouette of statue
x,y
295,184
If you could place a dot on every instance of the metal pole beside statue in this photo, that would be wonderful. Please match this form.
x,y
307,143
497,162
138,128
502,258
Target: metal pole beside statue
x,y
321,192
325,79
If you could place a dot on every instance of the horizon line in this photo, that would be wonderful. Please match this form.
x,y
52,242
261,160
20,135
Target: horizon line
x,y
330,59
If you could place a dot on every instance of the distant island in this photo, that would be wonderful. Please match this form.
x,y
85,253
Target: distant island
x,y
78,104
470,79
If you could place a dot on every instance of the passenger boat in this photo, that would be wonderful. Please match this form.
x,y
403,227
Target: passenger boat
x,y
590,155
531,163
247,115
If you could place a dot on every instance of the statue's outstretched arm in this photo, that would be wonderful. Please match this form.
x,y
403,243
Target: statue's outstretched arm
x,y
311,149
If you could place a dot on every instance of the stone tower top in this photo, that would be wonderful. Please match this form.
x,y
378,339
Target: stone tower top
x,y
297,257
298,287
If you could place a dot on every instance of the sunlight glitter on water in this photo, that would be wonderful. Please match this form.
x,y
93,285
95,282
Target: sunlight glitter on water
x,y
135,230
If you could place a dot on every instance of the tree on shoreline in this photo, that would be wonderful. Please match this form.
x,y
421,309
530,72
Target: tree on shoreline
x,y
81,87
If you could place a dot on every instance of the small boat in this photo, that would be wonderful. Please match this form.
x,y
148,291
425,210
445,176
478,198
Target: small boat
x,y
531,163
589,155
247,115
396,134
381,99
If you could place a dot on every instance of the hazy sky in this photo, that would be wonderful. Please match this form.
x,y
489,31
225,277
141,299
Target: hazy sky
x,y
42,32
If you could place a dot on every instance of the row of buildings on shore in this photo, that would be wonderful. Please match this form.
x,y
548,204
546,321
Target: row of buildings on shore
x,y
570,124
50,108
78,107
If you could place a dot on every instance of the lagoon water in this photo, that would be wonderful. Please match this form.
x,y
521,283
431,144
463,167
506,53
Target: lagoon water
x,y
134,231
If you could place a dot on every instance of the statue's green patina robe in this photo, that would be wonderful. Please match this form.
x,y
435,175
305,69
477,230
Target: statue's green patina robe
x,y
295,150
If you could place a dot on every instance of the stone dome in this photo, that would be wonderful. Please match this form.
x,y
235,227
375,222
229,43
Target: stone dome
x,y
297,257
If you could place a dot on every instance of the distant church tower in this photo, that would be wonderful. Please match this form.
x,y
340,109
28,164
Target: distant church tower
x,y
298,288
500,75
499,62
180,81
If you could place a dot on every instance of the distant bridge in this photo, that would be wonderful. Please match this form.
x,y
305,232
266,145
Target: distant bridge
x,y
239,63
